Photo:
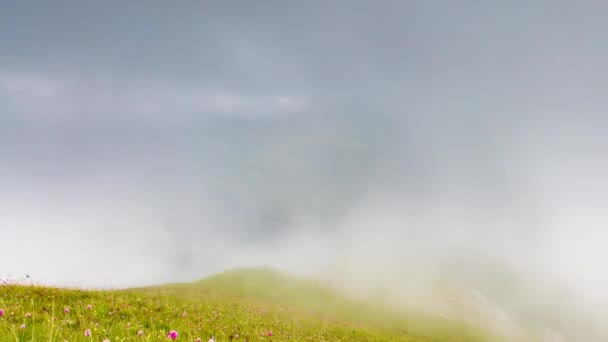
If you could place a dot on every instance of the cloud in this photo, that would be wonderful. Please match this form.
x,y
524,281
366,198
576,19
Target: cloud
x,y
22,85
434,132
33,97
291,104
221,102
95,97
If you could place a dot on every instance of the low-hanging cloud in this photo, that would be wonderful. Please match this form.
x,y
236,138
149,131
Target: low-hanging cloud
x,y
385,148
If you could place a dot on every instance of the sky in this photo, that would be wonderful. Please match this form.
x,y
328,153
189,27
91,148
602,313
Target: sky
x,y
150,141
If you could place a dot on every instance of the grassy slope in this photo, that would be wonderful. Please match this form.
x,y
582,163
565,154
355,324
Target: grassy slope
x,y
248,303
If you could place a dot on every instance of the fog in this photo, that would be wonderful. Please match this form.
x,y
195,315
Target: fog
x,y
378,146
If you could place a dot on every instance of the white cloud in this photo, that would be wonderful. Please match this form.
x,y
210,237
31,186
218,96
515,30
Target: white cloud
x,y
212,102
36,96
291,104
29,85
230,102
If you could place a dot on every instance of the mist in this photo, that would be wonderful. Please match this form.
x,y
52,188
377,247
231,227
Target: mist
x,y
380,147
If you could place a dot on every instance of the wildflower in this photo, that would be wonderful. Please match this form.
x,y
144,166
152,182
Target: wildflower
x,y
198,339
211,340
128,325
22,326
89,307
96,325
106,340
184,314
270,333
1,312
173,334
87,332
28,315
140,333
66,311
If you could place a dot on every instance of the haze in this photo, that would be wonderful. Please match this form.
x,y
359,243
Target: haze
x,y
376,144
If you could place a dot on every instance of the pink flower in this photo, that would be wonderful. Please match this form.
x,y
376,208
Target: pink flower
x,y
173,335
140,333
28,315
22,326
89,307
270,333
198,339
66,310
1,312
87,332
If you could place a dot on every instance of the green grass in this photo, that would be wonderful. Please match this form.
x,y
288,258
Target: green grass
x,y
237,305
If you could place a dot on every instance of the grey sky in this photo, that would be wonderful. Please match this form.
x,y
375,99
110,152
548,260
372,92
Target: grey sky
x,y
172,140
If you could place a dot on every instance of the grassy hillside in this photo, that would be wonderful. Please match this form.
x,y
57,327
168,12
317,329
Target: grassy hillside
x,y
243,305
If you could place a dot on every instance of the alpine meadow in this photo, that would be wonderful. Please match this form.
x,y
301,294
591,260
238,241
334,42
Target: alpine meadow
x,y
338,170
